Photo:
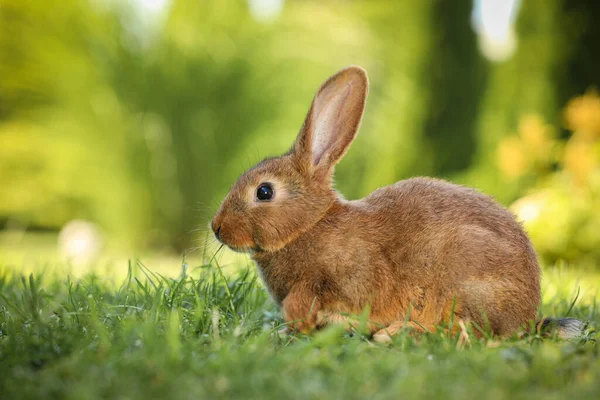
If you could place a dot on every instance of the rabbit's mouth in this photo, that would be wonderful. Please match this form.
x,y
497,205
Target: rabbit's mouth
x,y
244,249
236,240
250,248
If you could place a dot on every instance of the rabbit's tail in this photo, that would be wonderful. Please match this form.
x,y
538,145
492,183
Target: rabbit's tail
x,y
564,328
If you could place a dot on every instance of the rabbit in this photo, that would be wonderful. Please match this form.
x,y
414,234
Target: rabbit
x,y
414,254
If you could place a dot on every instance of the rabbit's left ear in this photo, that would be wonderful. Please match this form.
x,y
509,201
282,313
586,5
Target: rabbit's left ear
x,y
333,119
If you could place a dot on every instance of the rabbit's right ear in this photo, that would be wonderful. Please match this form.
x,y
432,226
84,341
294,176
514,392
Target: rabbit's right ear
x,y
333,120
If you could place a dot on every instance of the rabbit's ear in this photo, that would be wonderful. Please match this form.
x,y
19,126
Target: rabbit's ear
x,y
333,119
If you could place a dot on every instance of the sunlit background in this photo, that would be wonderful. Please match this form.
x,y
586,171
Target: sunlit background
x,y
123,124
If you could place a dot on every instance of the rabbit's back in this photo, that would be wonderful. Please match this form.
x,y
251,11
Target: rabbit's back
x,y
437,200
454,241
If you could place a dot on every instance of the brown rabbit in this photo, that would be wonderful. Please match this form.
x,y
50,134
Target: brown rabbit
x,y
412,253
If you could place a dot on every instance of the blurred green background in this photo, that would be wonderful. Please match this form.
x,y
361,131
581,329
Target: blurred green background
x,y
123,124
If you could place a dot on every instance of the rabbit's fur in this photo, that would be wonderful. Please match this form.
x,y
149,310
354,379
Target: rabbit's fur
x,y
422,244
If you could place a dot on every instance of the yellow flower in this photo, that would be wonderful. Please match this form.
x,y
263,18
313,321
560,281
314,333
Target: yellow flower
x,y
511,158
537,139
579,159
534,131
582,115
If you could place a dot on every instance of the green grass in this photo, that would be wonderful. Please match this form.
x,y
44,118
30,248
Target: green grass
x,y
195,337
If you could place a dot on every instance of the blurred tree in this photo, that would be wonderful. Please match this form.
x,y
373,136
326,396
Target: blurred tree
x,y
552,63
581,68
391,140
457,75
426,84
63,152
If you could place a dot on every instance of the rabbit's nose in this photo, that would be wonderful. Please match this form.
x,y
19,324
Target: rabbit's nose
x,y
216,224
216,228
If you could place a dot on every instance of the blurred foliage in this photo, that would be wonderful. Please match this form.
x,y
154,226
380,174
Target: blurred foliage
x,y
142,126
562,210
525,84
554,61
139,121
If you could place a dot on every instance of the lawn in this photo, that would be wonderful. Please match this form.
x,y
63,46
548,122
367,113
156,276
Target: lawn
x,y
210,332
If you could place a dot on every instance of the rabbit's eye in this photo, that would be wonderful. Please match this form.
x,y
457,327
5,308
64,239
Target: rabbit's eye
x,y
264,192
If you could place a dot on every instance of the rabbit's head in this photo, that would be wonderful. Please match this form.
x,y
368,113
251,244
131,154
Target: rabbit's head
x,y
280,198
